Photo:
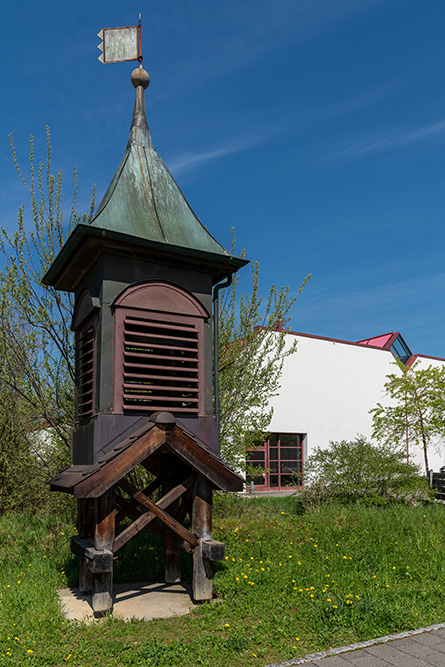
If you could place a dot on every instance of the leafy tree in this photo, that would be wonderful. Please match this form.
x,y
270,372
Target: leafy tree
x,y
251,356
359,471
37,348
417,415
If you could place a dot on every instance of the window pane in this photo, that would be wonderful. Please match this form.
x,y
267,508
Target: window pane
x,y
273,453
290,440
290,454
273,466
288,480
400,350
258,481
290,466
258,455
273,480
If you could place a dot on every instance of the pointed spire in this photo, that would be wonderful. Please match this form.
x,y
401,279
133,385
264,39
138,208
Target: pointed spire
x,y
140,80
143,206
143,199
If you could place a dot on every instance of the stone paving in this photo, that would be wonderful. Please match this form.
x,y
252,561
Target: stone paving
x,y
139,600
419,648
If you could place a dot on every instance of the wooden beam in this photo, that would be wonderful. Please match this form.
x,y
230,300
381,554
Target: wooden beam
x,y
127,509
202,528
145,519
170,465
152,487
105,477
165,501
103,540
185,506
96,560
203,462
213,550
132,530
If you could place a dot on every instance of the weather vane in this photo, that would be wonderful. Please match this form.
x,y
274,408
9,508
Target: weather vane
x,y
120,45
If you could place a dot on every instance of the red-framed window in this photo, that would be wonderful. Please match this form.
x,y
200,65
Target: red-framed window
x,y
279,460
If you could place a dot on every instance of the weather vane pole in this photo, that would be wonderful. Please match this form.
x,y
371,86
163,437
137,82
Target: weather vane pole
x,y
120,45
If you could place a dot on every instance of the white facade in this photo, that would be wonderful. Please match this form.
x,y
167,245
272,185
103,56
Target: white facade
x,y
328,388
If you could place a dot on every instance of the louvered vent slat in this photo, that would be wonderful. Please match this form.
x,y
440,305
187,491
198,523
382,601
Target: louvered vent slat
x,y
85,373
160,369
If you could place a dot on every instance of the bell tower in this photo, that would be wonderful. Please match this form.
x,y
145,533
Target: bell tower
x,y
143,275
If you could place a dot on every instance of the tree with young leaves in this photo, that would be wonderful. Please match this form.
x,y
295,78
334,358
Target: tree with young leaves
x,y
252,348
416,414
37,343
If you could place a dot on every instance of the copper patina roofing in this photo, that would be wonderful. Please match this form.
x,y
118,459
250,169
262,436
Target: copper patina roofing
x,y
144,205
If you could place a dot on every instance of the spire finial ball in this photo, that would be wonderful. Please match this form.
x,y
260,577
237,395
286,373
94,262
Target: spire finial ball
x,y
139,77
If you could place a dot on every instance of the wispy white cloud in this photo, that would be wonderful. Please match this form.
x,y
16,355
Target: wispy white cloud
x,y
186,162
371,143
361,100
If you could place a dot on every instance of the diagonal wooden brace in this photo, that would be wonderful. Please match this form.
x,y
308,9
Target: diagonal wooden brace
x,y
156,510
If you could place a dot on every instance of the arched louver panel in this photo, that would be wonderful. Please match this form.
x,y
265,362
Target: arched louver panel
x,y
84,323
159,350
85,372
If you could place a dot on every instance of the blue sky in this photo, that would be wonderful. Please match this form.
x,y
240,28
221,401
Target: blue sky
x,y
315,128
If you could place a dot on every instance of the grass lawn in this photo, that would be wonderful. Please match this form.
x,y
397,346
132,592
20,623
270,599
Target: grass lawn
x,y
291,584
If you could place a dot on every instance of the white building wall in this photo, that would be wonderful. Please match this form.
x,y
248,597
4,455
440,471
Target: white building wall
x,y
328,388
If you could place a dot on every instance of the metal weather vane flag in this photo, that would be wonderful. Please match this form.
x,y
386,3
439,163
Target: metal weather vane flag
x,y
120,45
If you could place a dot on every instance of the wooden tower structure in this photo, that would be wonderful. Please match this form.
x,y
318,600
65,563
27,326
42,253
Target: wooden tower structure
x,y
143,274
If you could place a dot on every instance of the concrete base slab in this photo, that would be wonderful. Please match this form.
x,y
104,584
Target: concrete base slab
x,y
138,600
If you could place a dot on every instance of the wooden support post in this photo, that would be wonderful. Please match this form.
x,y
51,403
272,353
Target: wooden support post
x,y
103,539
85,519
172,543
202,529
172,557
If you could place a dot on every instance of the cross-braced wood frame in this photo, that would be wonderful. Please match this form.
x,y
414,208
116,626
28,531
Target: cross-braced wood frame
x,y
185,473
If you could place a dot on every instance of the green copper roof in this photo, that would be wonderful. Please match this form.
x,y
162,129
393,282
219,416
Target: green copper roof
x,y
143,210
143,199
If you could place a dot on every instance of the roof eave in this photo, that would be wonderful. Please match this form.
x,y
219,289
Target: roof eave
x,y
64,274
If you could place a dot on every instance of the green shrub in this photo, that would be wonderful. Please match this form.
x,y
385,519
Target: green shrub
x,y
358,471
